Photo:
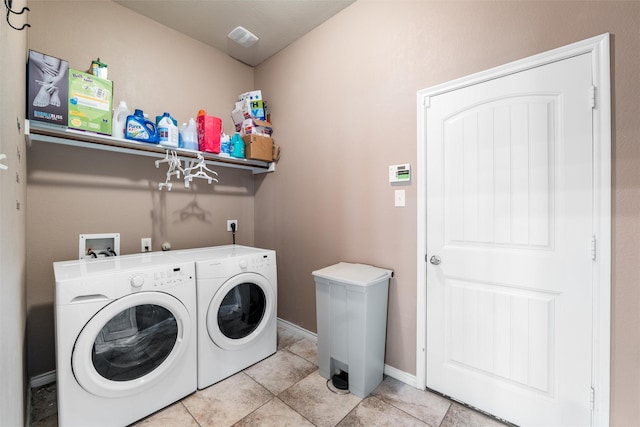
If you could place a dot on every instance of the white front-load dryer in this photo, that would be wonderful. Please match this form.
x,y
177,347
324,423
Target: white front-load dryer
x,y
125,337
237,303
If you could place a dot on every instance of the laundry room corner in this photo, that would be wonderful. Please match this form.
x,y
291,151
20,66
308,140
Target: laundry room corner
x,y
74,191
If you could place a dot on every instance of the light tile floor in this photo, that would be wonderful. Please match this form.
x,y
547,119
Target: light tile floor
x,y
286,390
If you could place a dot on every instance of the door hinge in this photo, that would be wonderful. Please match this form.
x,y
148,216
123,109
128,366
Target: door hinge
x,y
426,101
592,96
594,245
592,398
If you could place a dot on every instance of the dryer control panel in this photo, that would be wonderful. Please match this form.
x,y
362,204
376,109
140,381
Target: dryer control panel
x,y
260,262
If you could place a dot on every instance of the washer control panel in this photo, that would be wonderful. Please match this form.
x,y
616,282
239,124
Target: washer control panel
x,y
136,281
160,278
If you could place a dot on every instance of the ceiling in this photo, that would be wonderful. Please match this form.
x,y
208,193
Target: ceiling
x,y
277,23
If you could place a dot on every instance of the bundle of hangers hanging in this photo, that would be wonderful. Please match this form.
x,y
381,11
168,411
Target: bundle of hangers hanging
x,y
8,4
175,168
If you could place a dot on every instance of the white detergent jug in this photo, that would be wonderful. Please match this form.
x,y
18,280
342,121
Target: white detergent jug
x,y
167,131
119,121
182,129
190,136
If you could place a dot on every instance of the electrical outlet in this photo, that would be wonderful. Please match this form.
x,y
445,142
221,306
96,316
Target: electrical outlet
x,y
232,221
145,244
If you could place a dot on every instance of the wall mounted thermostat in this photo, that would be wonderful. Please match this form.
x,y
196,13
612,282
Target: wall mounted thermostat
x,y
400,173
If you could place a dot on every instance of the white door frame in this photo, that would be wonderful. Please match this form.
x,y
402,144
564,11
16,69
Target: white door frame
x,y
599,48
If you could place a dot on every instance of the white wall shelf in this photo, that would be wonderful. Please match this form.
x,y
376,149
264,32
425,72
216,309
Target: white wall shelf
x,y
43,132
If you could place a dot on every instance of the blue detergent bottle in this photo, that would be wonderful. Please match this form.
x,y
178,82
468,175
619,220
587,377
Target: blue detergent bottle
x,y
140,129
236,146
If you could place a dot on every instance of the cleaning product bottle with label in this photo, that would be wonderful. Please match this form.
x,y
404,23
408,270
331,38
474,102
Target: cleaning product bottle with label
x,y
225,145
167,131
236,146
140,129
119,121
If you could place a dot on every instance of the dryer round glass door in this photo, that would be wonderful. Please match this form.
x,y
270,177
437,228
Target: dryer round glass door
x,y
240,310
130,343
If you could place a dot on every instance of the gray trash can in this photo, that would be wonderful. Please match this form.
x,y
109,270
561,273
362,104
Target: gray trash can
x,y
351,306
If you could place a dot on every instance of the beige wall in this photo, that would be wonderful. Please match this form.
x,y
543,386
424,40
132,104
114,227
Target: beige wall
x,y
12,221
343,102
73,191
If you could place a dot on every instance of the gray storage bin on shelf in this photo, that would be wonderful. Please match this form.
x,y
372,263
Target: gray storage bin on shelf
x,y
351,307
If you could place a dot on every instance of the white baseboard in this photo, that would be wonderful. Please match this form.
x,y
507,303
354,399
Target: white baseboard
x,y
297,329
388,370
42,379
401,376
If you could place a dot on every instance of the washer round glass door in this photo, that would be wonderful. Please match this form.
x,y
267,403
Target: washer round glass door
x,y
240,310
130,343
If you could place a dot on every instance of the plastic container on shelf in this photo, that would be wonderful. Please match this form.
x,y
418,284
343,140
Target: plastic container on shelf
x,y
209,130
190,135
181,130
236,146
167,131
225,145
119,121
141,129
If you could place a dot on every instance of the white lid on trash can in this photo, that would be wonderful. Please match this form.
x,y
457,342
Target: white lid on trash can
x,y
353,274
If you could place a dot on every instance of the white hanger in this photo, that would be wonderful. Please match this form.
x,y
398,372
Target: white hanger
x,y
3,167
165,160
202,167
175,166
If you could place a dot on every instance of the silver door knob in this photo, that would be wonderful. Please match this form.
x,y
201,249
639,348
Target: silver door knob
x,y
435,260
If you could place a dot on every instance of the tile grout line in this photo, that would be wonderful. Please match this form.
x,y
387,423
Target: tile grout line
x,y
188,411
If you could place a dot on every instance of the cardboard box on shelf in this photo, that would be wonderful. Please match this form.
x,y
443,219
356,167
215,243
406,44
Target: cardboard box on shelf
x,y
90,100
258,147
240,114
249,105
253,101
47,88
255,126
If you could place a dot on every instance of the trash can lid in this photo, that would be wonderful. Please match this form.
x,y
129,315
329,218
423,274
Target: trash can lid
x,y
354,274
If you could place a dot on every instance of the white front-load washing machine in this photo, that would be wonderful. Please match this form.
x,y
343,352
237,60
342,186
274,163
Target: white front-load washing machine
x,y
237,301
126,336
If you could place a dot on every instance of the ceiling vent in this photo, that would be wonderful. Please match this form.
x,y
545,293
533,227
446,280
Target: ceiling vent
x,y
242,36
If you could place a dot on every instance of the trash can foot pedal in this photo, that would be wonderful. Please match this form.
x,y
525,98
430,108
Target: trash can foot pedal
x,y
341,380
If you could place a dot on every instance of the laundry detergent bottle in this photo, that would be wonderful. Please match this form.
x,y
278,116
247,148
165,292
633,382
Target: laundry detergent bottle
x,y
236,146
119,121
167,131
140,129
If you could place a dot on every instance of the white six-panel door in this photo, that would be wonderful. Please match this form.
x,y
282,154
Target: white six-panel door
x,y
509,232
